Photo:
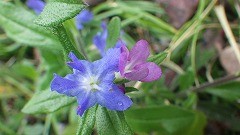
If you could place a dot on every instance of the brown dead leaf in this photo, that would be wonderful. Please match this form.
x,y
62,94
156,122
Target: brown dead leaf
x,y
229,60
179,11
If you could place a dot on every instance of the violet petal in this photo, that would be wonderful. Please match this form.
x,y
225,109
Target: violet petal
x,y
139,53
123,59
154,71
137,74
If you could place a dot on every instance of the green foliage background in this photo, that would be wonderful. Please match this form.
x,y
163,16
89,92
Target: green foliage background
x,y
33,47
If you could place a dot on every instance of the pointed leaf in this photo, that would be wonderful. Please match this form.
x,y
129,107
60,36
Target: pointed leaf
x,y
229,91
111,122
47,102
87,122
113,32
158,59
58,11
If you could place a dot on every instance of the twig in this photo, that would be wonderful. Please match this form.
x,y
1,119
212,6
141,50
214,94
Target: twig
x,y
219,10
216,82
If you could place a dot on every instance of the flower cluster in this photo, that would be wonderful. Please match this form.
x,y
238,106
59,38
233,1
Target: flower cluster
x,y
92,83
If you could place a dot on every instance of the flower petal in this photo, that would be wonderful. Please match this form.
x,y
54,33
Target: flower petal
x,y
154,71
100,43
137,74
114,99
108,64
123,59
36,5
81,66
139,53
85,102
65,86
83,17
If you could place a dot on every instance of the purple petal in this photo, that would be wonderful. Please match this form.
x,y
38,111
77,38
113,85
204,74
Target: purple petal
x,y
85,102
154,71
114,99
79,26
78,65
100,39
137,74
72,56
36,5
100,43
81,65
83,17
108,64
123,59
104,25
139,53
65,86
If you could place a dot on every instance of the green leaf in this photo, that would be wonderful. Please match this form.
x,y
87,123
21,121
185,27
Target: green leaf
x,y
229,91
186,80
18,24
87,121
197,127
58,11
113,29
225,114
130,89
47,102
111,122
165,120
158,59
25,69
67,44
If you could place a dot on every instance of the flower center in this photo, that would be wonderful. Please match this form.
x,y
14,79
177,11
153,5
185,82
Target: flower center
x,y
91,83
128,67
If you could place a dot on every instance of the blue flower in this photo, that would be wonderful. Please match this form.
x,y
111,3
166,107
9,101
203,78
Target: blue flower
x,y
84,16
36,5
93,83
100,39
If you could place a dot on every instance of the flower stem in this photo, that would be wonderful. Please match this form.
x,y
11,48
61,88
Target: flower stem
x,y
66,42
193,56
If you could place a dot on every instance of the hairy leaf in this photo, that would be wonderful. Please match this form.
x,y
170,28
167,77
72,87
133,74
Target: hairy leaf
x,y
158,58
46,102
18,24
58,11
87,122
111,122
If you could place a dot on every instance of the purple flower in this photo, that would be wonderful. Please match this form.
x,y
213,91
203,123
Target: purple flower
x,y
93,83
100,39
36,5
84,16
133,65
